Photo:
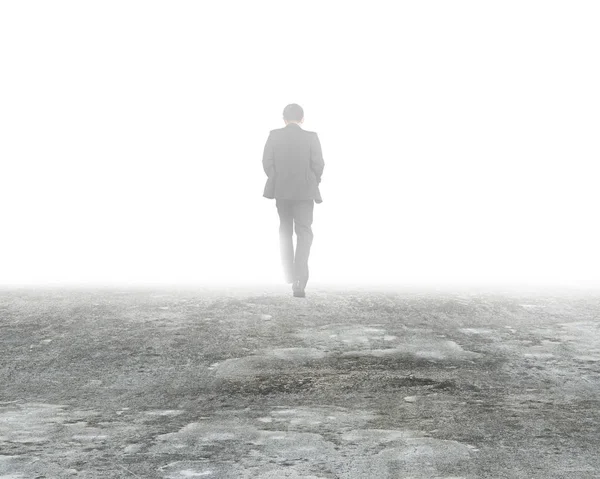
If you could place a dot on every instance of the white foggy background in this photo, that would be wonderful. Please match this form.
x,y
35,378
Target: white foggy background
x,y
461,140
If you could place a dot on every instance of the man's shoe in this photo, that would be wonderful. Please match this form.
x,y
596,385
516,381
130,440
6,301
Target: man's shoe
x,y
298,290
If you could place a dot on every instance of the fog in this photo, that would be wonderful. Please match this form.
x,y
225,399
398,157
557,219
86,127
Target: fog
x,y
460,140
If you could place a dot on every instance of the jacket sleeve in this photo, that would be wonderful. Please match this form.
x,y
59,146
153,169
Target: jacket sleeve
x,y
268,157
316,158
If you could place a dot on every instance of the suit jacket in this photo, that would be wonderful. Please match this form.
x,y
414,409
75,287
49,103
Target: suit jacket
x,y
293,162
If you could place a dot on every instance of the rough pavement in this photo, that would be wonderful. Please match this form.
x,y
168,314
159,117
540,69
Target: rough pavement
x,y
257,384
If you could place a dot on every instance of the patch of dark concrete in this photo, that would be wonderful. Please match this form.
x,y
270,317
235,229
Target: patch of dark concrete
x,y
317,382
266,385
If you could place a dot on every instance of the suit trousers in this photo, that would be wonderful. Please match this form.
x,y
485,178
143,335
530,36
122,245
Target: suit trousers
x,y
298,215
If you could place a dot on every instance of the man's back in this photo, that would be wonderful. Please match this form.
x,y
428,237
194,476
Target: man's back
x,y
293,161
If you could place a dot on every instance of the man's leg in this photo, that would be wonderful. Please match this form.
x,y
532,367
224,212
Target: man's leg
x,y
303,218
286,231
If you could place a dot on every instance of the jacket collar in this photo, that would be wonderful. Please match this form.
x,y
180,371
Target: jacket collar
x,y
293,125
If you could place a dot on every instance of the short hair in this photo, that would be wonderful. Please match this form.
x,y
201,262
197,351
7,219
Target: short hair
x,y
293,112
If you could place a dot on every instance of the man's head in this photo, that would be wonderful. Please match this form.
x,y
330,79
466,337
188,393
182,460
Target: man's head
x,y
293,113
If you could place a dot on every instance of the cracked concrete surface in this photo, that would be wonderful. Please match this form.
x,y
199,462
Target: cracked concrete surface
x,y
243,384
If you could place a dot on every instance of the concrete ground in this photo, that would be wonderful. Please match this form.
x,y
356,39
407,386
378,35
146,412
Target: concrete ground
x,y
257,384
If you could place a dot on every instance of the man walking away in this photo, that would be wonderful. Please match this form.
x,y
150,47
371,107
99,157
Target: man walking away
x,y
293,162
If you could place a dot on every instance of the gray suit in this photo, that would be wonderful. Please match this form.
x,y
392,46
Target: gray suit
x,y
293,163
